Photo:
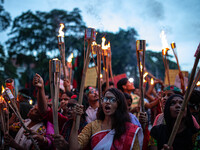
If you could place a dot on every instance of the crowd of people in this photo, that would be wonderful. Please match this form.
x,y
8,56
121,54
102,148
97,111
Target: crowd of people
x,y
114,121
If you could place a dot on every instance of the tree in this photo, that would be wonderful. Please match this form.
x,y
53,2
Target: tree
x,y
5,19
33,35
6,67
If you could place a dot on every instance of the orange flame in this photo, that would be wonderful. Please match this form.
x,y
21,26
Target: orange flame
x,y
165,46
61,33
71,56
1,97
2,89
198,83
103,43
145,74
152,81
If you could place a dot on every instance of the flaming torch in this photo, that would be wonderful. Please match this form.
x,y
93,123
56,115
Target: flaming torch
x,y
54,77
192,83
110,61
165,48
173,46
9,98
140,53
105,60
2,115
61,46
90,36
69,65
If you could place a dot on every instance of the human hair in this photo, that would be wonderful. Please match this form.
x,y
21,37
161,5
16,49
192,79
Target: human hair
x,y
68,93
103,87
128,96
170,121
122,82
120,117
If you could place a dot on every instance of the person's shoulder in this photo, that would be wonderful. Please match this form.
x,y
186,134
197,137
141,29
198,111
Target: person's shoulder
x,y
158,130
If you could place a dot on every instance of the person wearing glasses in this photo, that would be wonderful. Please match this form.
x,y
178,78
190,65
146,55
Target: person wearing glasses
x,y
112,129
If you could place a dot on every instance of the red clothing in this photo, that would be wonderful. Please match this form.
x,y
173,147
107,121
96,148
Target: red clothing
x,y
125,142
49,117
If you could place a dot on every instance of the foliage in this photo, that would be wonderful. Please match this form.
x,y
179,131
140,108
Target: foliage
x,y
5,19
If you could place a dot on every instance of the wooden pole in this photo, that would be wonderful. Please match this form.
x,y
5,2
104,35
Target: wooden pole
x,y
99,70
107,73
54,77
141,48
8,94
110,64
173,46
85,67
167,67
186,99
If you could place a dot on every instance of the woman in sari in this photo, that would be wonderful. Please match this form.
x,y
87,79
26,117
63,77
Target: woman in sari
x,y
186,136
111,130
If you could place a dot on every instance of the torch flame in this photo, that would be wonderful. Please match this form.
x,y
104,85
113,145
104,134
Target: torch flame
x,y
2,89
165,46
152,81
70,58
94,43
145,74
1,97
103,43
61,33
141,66
198,83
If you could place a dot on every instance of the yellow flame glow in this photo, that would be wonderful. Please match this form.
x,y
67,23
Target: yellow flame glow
x,y
198,83
165,46
2,89
61,33
1,97
30,101
103,43
152,81
70,58
101,76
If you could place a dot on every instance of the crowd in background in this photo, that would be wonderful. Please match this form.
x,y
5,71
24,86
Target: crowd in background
x,y
114,121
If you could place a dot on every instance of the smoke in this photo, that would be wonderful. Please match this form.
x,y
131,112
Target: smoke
x,y
93,10
154,10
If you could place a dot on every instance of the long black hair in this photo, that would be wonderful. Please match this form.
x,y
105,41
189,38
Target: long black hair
x,y
170,121
120,117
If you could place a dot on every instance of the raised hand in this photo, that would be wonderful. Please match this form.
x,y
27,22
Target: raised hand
x,y
38,81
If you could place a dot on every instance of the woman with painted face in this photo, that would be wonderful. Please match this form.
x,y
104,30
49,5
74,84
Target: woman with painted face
x,y
111,130
159,135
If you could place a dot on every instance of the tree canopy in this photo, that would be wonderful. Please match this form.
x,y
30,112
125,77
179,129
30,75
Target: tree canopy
x,y
33,41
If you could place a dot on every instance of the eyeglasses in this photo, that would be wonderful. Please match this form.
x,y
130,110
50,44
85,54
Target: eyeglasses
x,y
106,99
71,105
92,91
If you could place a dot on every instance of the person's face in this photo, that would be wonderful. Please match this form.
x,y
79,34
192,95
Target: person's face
x,y
137,92
129,86
70,109
109,104
175,107
63,101
93,95
34,114
165,96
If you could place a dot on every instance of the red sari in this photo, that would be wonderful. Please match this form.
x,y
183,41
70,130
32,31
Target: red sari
x,y
104,139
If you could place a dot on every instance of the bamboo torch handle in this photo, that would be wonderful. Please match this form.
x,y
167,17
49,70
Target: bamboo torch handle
x,y
86,63
186,98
